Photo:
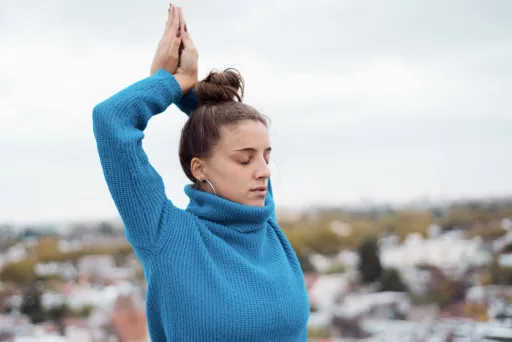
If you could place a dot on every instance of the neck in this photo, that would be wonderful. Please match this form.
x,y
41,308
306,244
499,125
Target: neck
x,y
205,186
219,210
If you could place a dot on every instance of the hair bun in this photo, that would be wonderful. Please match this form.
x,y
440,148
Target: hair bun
x,y
221,86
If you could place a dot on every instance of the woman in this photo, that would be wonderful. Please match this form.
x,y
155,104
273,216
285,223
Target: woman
x,y
220,270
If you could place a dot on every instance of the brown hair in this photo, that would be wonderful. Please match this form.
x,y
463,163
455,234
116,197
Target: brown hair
x,y
220,97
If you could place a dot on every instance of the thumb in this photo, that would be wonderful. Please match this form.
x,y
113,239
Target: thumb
x,y
187,39
174,48
188,43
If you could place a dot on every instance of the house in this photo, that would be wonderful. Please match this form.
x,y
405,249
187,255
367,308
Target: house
x,y
327,289
15,253
103,267
448,252
423,313
77,334
77,330
397,331
43,338
324,292
376,305
416,279
64,270
6,336
95,265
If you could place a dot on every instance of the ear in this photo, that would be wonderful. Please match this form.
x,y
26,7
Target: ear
x,y
197,166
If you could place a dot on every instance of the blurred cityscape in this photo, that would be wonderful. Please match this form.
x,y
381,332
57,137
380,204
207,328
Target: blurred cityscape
x,y
416,273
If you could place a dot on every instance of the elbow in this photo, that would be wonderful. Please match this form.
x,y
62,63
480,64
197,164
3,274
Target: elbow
x,y
100,112
106,113
109,125
102,119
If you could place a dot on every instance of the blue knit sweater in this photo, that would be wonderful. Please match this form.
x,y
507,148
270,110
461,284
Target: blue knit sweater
x,y
216,271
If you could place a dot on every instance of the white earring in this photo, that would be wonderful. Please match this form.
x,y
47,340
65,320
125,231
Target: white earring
x,y
207,181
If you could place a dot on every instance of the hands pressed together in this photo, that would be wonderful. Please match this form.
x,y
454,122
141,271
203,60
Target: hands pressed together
x,y
176,51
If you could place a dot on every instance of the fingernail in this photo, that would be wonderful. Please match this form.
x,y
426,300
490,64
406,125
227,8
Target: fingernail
x,y
186,27
178,34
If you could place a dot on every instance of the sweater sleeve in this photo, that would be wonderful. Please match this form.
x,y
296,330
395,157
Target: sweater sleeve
x,y
135,186
187,104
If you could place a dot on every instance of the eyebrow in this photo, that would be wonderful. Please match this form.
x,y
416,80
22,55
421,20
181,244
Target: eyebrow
x,y
250,149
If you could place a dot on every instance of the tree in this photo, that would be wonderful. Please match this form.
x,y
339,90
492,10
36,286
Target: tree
x,y
336,267
47,250
494,270
305,263
324,241
444,290
390,280
369,261
86,311
488,232
7,236
32,306
349,327
404,223
297,238
106,228
19,273
59,312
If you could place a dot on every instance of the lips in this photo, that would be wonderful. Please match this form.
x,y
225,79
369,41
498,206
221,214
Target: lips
x,y
260,191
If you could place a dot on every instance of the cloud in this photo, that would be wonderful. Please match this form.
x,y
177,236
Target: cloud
x,y
387,100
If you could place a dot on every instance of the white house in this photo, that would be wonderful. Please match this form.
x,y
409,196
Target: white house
x,y
325,291
323,295
354,305
15,253
64,270
445,252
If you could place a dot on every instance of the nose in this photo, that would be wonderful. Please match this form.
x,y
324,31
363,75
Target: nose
x,y
263,171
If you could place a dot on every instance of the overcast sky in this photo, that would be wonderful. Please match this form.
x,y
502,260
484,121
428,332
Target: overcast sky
x,y
369,100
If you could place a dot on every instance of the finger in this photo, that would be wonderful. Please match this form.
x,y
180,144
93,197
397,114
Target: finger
x,y
181,29
182,20
164,40
170,14
176,19
177,34
174,27
175,46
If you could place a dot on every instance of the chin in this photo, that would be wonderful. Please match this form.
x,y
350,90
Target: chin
x,y
252,200
256,202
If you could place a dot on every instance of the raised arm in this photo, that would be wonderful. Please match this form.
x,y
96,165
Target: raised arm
x,y
119,123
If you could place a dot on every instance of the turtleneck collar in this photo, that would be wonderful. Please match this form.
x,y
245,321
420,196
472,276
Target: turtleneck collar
x,y
219,210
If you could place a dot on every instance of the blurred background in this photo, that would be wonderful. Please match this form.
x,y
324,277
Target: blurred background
x,y
391,127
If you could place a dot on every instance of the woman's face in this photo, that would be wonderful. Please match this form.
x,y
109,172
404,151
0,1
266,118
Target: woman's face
x,y
238,167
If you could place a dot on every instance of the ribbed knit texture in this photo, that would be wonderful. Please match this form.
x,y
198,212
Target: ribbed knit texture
x,y
216,271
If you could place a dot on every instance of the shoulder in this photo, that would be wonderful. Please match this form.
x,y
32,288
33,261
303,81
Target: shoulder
x,y
177,229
